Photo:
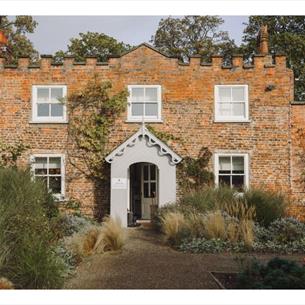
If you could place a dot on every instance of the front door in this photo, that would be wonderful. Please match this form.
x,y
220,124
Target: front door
x,y
149,188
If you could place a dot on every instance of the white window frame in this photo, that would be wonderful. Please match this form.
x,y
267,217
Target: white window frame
x,y
49,119
144,118
61,196
232,119
246,166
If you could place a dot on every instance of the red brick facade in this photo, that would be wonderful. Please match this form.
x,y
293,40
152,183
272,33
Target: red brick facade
x,y
270,137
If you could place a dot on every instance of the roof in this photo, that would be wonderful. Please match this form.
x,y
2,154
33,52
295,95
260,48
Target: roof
x,y
152,141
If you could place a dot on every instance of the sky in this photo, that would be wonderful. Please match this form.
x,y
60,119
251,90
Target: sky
x,y
54,32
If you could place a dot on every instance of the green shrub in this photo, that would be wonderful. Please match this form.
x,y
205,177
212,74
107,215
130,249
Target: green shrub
x,y
269,205
277,274
26,239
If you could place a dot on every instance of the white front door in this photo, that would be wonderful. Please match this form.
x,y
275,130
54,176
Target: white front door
x,y
149,188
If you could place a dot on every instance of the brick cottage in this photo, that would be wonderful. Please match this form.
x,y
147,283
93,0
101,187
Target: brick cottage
x,y
244,114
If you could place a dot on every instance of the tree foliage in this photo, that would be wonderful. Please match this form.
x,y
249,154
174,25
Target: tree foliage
x,y
93,44
18,44
93,111
192,35
286,35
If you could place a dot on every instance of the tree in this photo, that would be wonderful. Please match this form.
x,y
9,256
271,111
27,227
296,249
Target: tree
x,y
18,44
192,35
286,35
93,44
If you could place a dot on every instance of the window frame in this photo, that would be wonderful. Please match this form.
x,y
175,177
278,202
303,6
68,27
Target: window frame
x,y
231,119
131,118
61,196
47,119
228,154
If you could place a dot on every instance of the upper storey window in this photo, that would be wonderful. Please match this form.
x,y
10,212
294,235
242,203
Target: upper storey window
x,y
231,103
48,104
144,103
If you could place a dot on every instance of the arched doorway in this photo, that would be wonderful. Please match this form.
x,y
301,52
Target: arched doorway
x,y
144,191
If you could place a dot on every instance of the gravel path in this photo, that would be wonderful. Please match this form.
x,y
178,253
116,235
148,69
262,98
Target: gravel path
x,y
145,263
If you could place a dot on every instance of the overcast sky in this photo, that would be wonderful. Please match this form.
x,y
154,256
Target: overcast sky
x,y
53,32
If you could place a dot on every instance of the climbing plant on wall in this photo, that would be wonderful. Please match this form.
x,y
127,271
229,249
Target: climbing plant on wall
x,y
9,153
93,111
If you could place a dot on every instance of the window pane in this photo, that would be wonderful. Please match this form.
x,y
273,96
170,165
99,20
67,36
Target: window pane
x,y
151,94
43,109
57,110
54,165
238,182
224,180
55,185
224,94
238,109
152,172
146,190
153,189
137,109
238,165
145,169
40,166
56,94
137,94
224,165
224,109
151,109
42,94
238,94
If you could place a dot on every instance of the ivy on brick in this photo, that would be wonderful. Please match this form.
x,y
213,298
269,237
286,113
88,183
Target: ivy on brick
x,y
9,153
93,111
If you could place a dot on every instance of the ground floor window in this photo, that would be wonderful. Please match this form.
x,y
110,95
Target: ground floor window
x,y
50,169
232,170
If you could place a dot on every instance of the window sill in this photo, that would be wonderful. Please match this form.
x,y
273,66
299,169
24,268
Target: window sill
x,y
145,121
48,122
232,121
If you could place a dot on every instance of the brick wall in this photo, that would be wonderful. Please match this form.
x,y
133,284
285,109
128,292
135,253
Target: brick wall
x,y
187,112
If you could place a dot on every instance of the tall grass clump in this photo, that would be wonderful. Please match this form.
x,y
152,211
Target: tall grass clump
x,y
269,205
215,225
27,256
174,227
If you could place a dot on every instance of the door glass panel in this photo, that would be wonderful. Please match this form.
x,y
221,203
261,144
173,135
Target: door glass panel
x,y
146,190
145,169
153,189
137,109
43,109
152,172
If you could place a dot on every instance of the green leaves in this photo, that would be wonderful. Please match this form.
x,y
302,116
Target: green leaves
x,y
192,35
286,35
93,44
19,45
93,112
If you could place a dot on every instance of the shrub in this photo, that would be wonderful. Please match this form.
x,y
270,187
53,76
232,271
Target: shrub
x,y
111,236
277,274
25,235
174,227
269,205
215,226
